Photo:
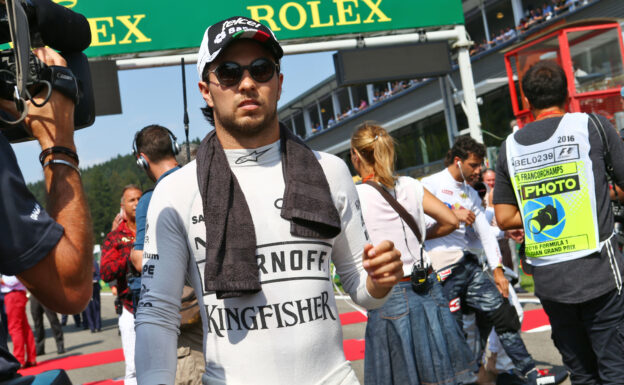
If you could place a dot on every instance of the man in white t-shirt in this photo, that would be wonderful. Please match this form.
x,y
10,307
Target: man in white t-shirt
x,y
254,223
464,282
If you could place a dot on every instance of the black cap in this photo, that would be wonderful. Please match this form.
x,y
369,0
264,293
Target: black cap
x,y
221,34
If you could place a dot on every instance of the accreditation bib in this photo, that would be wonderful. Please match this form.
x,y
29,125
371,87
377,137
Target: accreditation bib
x,y
554,186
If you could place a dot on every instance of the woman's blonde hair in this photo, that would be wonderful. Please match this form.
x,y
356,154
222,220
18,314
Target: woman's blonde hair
x,y
375,147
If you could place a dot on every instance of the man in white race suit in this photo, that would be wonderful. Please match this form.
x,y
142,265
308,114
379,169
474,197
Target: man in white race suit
x,y
254,222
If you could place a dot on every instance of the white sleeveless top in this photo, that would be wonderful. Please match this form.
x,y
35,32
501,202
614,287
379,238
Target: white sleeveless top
x,y
382,222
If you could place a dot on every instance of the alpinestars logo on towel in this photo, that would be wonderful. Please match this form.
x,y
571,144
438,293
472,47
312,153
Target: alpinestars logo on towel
x,y
253,157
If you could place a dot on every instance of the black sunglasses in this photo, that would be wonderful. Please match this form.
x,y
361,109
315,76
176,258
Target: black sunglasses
x,y
231,73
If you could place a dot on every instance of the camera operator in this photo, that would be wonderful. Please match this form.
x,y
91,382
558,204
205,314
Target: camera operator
x,y
49,250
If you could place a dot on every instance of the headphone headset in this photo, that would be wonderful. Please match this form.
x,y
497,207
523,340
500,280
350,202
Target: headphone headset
x,y
140,160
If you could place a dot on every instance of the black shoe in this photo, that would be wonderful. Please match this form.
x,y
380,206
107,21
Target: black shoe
x,y
509,378
546,376
60,351
60,348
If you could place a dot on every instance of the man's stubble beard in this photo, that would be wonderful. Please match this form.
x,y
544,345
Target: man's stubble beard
x,y
247,128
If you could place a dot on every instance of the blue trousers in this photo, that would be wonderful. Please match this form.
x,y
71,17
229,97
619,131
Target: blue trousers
x,y
93,314
4,328
469,286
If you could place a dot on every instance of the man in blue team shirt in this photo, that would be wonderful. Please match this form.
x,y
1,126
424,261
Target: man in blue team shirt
x,y
155,148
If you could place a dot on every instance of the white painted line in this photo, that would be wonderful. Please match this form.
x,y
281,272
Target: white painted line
x,y
529,300
544,328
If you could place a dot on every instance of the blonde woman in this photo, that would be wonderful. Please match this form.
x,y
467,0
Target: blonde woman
x,y
413,338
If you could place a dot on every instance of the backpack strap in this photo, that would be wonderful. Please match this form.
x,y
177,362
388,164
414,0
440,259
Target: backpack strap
x,y
407,217
607,157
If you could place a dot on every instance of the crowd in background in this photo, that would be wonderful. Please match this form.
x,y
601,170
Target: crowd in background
x,y
380,94
532,17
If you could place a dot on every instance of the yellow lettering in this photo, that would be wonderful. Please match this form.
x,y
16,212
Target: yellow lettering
x,y
551,188
99,30
316,20
375,10
132,29
66,3
570,184
343,11
268,16
540,190
303,17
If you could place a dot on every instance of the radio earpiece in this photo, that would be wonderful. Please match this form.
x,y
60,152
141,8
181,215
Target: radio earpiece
x,y
461,172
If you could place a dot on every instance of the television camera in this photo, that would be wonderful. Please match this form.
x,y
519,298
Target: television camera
x,y
37,23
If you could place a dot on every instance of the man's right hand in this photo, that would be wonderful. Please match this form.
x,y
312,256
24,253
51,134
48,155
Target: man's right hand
x,y
53,123
465,215
117,221
517,235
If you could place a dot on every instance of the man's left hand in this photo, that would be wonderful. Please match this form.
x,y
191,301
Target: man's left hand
x,y
384,267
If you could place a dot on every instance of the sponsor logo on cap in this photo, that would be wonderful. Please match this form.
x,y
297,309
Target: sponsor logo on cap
x,y
240,20
219,38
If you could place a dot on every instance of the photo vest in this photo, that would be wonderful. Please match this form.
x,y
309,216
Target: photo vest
x,y
554,187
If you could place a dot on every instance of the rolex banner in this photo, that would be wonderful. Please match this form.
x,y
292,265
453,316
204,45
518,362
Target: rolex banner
x,y
124,27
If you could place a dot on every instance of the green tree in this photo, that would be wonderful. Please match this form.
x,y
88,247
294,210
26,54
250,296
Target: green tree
x,y
103,184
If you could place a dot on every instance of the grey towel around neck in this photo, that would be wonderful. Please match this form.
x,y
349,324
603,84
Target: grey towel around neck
x,y
231,269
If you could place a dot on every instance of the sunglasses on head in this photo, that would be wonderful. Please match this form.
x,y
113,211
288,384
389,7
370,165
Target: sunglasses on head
x,y
230,73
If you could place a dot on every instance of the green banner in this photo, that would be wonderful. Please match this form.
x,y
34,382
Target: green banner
x,y
121,27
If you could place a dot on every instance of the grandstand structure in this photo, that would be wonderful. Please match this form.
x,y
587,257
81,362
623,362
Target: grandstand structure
x,y
413,110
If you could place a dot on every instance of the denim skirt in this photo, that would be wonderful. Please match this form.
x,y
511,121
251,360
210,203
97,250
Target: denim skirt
x,y
414,339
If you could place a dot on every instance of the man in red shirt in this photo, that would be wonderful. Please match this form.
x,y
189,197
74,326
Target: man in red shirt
x,y
116,266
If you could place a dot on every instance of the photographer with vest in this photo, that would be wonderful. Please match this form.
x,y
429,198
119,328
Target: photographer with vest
x,y
552,181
